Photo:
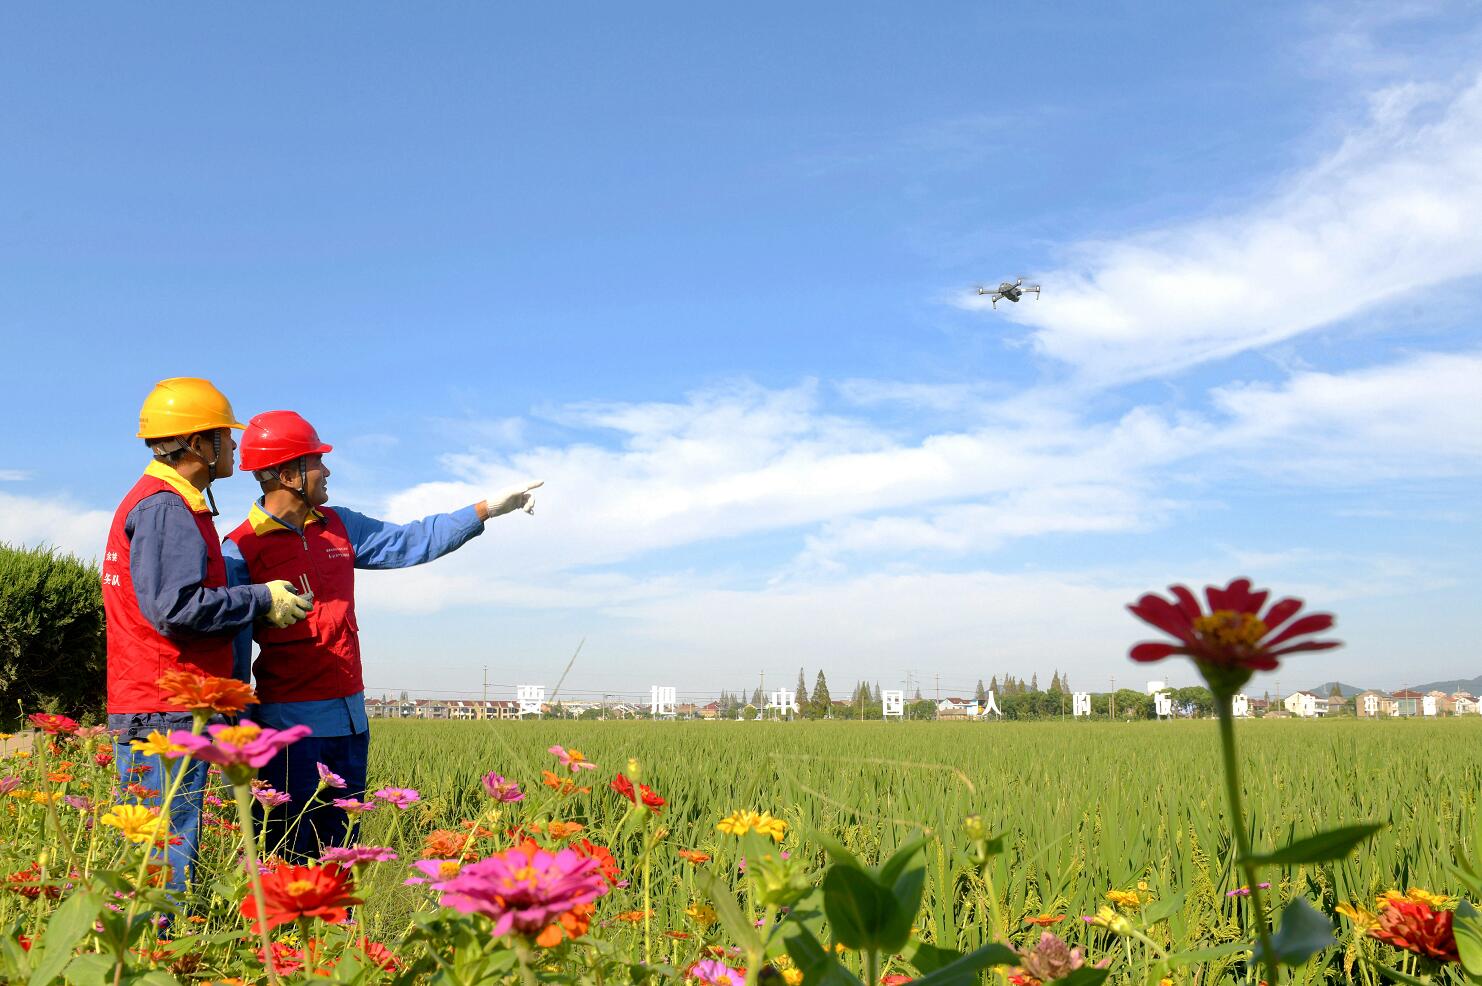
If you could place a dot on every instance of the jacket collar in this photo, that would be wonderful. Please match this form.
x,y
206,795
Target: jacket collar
x,y
263,522
166,473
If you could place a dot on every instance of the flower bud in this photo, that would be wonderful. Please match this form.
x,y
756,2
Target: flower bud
x,y
975,828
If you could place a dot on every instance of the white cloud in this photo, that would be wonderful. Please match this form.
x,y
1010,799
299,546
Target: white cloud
x,y
14,475
58,522
1396,208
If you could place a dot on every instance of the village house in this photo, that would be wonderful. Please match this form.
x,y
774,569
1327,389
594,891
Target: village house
x,y
1373,705
1407,703
1306,705
1463,704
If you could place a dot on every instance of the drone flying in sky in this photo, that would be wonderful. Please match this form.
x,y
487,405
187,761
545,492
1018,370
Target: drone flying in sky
x,y
1013,292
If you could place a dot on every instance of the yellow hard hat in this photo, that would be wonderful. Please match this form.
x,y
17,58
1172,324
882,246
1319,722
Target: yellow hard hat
x,y
184,406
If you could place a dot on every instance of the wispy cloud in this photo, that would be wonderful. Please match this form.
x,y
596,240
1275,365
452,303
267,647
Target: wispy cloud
x,y
1396,208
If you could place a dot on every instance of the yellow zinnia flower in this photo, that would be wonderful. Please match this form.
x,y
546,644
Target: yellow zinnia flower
x,y
702,914
1124,898
136,822
157,744
1362,920
738,823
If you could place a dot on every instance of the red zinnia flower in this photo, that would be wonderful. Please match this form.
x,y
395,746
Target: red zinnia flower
x,y
1417,927
651,801
48,722
1233,638
200,692
606,864
293,892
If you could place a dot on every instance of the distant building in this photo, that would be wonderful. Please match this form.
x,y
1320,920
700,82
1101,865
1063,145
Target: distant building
x,y
1407,703
1463,704
1306,705
1373,705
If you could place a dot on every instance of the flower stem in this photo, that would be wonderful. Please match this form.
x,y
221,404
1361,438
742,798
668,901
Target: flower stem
x,y
1242,837
522,952
249,858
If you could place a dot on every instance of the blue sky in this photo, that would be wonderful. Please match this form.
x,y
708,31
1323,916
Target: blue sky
x,y
709,274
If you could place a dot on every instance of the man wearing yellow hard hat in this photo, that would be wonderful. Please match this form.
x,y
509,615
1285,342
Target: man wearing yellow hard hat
x,y
165,591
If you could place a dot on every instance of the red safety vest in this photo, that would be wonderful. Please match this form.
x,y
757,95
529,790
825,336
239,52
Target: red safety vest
x,y
138,654
318,657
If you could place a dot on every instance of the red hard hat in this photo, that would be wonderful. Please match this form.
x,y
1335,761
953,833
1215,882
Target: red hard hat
x,y
276,437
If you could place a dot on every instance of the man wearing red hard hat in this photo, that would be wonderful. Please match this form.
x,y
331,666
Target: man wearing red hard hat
x,y
310,673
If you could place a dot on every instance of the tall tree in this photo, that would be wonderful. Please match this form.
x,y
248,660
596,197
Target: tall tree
x,y
993,686
981,695
757,698
823,705
1034,681
801,696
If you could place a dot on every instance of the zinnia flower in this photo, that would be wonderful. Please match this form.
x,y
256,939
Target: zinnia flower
x,y
525,888
241,749
738,823
445,843
606,864
353,807
9,783
401,797
294,892
1048,959
712,972
651,801
328,778
206,693
1045,920
356,855
702,914
572,760
1417,927
563,785
1124,898
53,724
270,797
435,869
136,822
1233,639
694,856
501,788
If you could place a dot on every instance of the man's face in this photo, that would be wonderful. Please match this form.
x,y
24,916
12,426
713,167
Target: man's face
x,y
315,480
226,462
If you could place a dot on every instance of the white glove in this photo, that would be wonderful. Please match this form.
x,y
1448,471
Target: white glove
x,y
288,606
515,498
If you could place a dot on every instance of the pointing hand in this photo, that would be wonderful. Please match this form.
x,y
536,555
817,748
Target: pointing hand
x,y
516,497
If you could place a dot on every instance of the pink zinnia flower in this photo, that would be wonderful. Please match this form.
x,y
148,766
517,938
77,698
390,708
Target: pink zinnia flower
x,y
354,807
525,888
239,750
401,797
572,760
269,797
501,788
8,784
356,855
713,972
435,869
329,778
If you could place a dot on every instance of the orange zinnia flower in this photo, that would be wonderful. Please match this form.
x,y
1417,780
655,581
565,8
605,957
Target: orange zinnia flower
x,y
199,692
694,856
572,924
560,830
563,785
447,844
630,917
294,892
1045,920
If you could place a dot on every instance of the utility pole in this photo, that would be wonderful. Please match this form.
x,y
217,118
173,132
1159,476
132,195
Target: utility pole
x,y
1111,700
938,676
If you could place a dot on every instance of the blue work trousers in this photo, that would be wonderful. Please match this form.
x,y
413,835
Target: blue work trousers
x,y
149,771
297,834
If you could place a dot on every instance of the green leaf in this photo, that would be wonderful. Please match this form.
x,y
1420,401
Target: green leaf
x,y
90,970
836,850
929,958
1466,924
905,856
1086,975
816,963
1163,909
1396,974
741,930
1319,848
67,926
859,910
964,972
907,891
1303,933
1202,955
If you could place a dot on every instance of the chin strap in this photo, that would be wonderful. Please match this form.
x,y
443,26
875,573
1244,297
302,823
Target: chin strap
x,y
170,450
301,490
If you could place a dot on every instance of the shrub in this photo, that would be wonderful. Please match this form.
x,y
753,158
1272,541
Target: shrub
x,y
53,649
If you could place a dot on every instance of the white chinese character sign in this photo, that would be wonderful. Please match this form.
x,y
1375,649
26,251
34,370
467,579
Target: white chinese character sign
x,y
531,699
1240,706
1428,705
1080,704
1163,705
991,706
892,704
783,701
661,701
1371,705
